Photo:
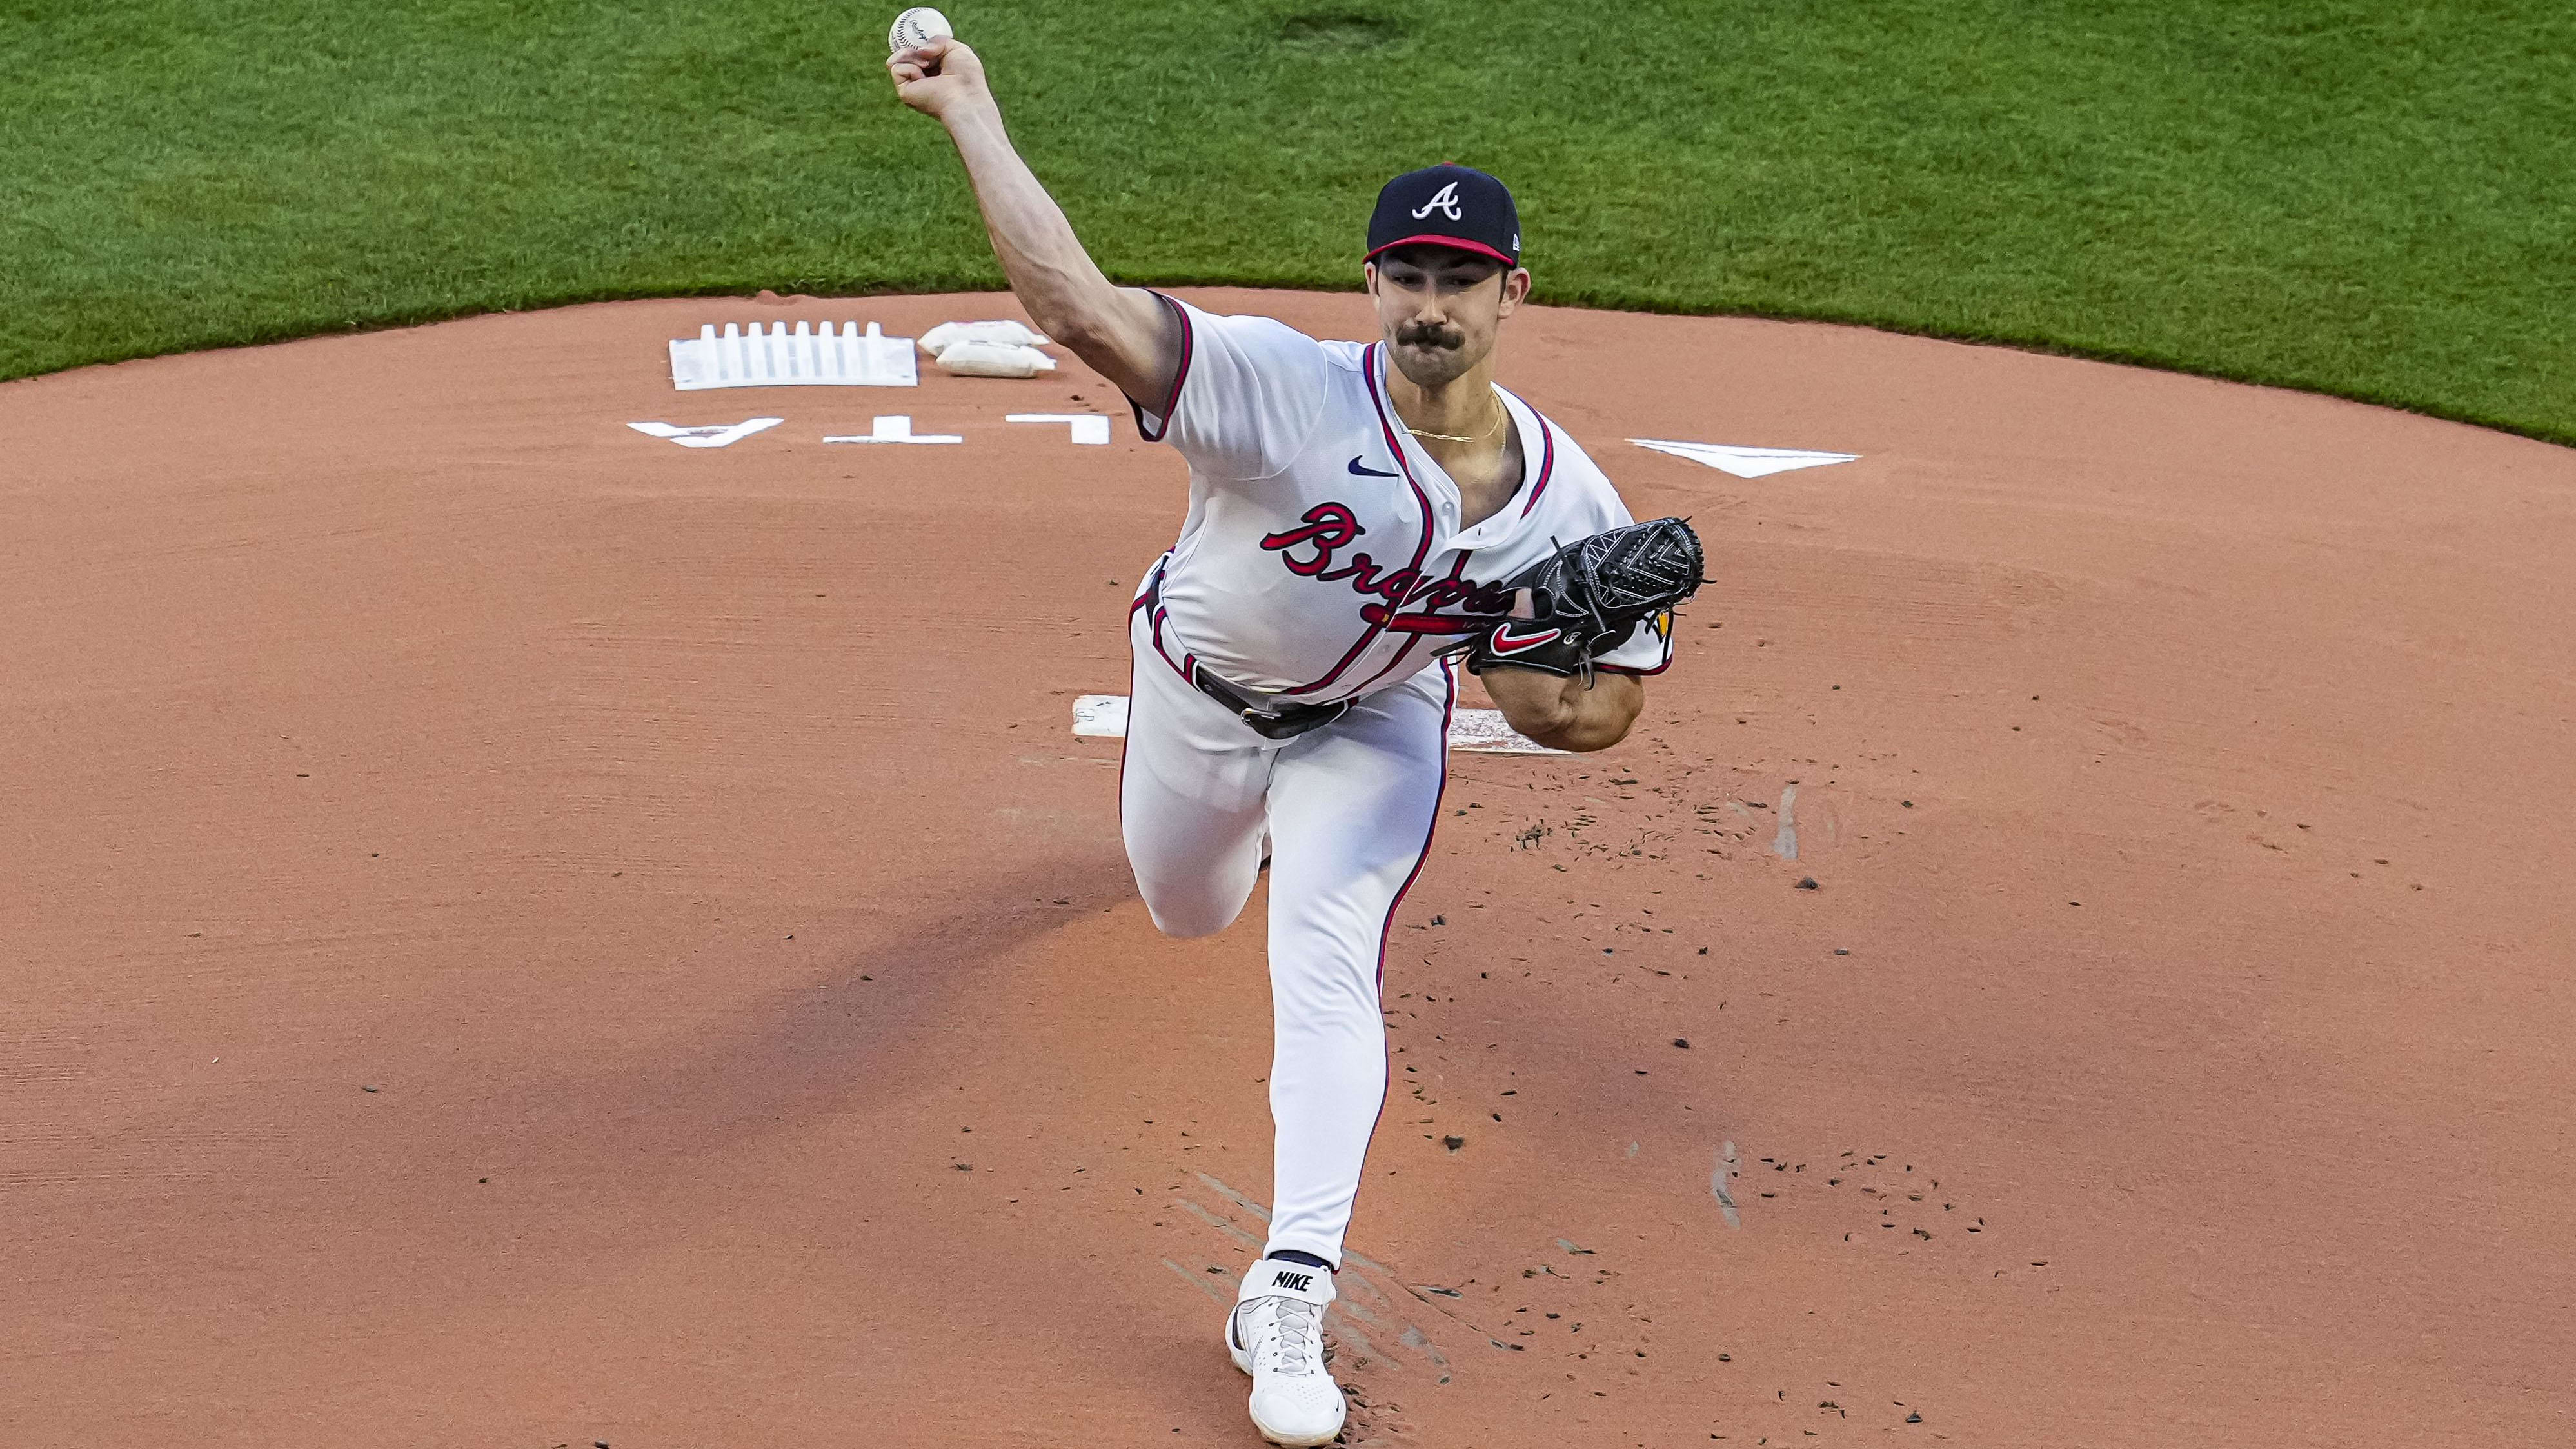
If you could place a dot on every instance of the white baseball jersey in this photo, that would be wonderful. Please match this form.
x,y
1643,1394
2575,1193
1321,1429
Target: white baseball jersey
x,y
1322,556
1322,560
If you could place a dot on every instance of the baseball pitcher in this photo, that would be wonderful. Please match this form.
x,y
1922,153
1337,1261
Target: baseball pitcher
x,y
1361,520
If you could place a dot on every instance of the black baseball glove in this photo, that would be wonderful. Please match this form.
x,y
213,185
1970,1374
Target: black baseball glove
x,y
1589,597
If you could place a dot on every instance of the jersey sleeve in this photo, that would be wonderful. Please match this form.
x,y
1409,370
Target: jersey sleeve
x,y
1649,647
1249,393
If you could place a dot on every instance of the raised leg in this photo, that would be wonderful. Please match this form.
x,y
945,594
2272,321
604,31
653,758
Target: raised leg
x,y
1191,800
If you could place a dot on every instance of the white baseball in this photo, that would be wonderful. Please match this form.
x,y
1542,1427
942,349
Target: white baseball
x,y
917,26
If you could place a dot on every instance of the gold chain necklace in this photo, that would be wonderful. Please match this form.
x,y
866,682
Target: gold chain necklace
x,y
1503,415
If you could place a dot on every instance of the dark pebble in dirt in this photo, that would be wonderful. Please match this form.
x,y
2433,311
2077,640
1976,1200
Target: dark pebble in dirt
x,y
1908,804
1807,883
1703,950
965,1167
1453,1143
1842,950
1683,1042
1914,1418
367,1089
1439,920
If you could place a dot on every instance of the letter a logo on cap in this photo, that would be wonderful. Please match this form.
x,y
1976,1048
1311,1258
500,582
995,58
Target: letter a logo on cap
x,y
1458,207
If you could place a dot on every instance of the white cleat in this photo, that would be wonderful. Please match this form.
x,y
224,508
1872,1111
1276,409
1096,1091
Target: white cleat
x,y
1276,1334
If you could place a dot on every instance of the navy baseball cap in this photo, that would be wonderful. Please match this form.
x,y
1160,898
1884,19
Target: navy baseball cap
x,y
1450,206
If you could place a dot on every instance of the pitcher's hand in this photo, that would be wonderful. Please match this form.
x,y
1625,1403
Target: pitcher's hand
x,y
943,79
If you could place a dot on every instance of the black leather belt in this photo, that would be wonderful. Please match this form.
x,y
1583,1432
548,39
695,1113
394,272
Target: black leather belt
x,y
1271,719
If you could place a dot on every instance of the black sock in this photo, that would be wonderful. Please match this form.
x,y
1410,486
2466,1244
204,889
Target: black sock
x,y
1299,1255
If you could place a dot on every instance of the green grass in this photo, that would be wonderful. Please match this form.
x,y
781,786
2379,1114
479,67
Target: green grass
x,y
2366,197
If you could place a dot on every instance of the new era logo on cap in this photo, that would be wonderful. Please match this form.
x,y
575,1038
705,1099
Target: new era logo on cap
x,y
1452,206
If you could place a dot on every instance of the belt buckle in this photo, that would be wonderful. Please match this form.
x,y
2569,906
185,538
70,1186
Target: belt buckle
x,y
1269,724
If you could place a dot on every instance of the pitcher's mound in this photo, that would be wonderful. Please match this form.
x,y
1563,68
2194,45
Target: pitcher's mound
x,y
523,929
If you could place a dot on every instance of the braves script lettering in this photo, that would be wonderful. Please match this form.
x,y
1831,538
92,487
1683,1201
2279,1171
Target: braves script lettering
x,y
1309,550
1328,526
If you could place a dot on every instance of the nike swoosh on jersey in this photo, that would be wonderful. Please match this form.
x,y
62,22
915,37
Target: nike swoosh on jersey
x,y
1366,472
1507,642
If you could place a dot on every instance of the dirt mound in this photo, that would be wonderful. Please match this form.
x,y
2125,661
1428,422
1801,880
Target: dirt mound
x,y
521,932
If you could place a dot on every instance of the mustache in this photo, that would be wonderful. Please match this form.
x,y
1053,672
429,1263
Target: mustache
x,y
1430,334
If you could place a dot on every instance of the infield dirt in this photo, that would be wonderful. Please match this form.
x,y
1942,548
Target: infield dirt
x,y
518,933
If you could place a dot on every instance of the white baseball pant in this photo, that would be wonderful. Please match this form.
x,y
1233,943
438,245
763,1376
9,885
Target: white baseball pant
x,y
1349,809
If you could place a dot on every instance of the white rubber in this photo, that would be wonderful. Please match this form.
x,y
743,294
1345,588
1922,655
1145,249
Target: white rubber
x,y
1276,1334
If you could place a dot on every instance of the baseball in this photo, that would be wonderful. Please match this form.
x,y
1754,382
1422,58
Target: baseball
x,y
917,26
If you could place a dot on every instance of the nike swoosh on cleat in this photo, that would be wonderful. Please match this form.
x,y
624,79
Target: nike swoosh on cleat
x,y
1366,472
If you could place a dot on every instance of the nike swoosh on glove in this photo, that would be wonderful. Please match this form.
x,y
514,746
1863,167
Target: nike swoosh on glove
x,y
1588,598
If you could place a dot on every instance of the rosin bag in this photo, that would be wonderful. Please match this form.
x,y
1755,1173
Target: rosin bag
x,y
939,339
994,359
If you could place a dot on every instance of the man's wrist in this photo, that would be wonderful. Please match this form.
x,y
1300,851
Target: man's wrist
x,y
980,121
